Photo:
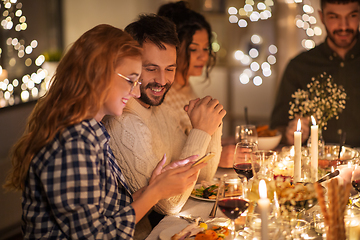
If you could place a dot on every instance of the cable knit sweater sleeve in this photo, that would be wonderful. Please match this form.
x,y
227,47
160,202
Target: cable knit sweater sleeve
x,y
138,151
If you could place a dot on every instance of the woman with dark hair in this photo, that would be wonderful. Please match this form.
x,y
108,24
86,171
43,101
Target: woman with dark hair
x,y
195,55
72,185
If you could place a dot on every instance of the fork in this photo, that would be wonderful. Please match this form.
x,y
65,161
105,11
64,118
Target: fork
x,y
190,219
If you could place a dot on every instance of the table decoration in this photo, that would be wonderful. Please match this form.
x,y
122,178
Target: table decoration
x,y
323,99
338,197
314,149
297,157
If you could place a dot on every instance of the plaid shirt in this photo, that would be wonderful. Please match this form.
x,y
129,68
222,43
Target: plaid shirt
x,y
75,189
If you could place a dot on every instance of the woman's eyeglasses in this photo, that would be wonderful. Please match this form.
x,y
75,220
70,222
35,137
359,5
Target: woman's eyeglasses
x,y
133,83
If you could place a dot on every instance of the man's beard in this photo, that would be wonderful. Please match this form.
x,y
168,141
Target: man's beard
x,y
154,100
339,45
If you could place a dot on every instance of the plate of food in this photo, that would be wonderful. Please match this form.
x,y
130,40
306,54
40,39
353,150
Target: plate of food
x,y
195,230
205,191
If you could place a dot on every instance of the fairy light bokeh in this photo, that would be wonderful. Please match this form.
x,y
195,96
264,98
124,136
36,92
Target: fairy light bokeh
x,y
20,56
258,69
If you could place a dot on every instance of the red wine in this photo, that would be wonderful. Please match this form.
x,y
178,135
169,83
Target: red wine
x,y
244,169
356,185
233,207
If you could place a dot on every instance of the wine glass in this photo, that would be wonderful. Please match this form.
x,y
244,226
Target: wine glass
x,y
355,181
263,162
246,133
231,198
242,159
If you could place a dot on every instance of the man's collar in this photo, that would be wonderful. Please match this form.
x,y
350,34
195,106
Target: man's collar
x,y
133,106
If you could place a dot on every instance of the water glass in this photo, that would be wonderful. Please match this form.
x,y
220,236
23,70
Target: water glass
x,y
246,133
262,162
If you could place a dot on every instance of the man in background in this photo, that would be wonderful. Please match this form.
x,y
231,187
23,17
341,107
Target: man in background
x,y
149,129
338,56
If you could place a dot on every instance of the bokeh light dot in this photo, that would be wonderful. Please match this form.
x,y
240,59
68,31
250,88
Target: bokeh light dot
x,y
232,10
271,59
254,53
242,23
233,19
254,66
273,49
257,81
256,39
238,55
244,79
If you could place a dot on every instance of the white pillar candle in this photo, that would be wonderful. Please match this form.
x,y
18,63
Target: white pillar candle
x,y
264,206
314,149
297,156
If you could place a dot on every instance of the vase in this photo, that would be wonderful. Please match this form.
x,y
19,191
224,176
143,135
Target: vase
x,y
321,144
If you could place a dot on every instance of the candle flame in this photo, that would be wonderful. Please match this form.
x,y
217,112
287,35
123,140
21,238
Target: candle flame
x,y
298,126
262,189
313,120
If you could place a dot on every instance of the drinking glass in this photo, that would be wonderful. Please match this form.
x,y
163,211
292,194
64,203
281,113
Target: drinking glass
x,y
355,181
231,198
242,159
262,162
246,133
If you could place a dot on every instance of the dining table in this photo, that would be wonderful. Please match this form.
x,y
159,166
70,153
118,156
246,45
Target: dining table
x,y
194,207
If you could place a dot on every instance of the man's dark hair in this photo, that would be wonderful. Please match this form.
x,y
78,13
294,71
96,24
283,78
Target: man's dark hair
x,y
154,28
323,2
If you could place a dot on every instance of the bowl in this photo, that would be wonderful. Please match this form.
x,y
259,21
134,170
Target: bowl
x,y
269,143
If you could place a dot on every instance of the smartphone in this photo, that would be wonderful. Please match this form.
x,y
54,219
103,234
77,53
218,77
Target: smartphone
x,y
205,158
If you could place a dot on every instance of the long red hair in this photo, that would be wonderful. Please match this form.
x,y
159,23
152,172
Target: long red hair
x,y
78,90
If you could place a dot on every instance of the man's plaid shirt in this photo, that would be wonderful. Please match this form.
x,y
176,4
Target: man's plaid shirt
x,y
75,189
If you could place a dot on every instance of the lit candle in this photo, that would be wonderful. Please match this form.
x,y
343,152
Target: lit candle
x,y
297,157
314,149
264,206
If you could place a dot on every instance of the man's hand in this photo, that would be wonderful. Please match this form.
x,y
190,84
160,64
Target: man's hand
x,y
227,156
292,127
205,114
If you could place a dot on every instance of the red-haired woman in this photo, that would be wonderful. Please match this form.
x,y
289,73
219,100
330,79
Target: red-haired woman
x,y
72,186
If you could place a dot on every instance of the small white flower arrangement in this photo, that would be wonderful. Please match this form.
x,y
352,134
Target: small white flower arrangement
x,y
323,99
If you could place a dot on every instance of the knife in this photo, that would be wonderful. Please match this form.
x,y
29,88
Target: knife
x,y
329,176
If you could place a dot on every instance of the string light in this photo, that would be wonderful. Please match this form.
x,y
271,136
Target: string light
x,y
31,84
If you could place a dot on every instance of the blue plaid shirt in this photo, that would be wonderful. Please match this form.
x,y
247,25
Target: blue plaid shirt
x,y
75,189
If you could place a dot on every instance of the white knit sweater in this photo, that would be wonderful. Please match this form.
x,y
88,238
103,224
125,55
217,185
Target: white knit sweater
x,y
140,137
177,97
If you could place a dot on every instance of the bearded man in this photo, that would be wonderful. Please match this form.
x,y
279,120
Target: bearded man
x,y
148,129
338,56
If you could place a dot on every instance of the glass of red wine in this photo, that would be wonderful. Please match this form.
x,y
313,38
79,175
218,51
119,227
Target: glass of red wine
x,y
242,159
231,198
355,181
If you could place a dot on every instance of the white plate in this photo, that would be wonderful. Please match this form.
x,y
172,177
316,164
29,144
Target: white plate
x,y
166,234
201,198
